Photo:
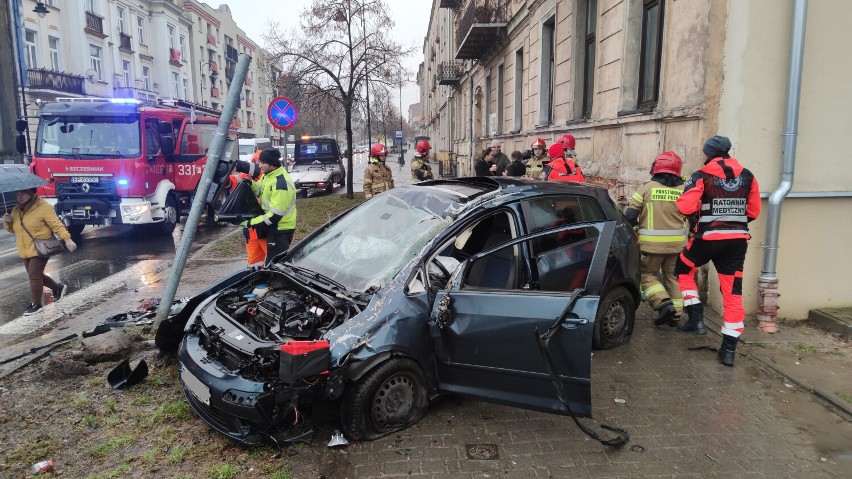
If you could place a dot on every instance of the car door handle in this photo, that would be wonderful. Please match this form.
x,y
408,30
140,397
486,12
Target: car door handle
x,y
578,321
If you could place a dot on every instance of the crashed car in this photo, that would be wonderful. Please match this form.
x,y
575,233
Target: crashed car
x,y
491,288
317,166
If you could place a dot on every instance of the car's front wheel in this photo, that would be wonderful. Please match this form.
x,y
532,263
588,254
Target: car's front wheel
x,y
389,398
615,319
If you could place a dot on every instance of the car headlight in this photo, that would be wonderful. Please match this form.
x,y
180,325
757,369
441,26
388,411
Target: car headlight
x,y
136,209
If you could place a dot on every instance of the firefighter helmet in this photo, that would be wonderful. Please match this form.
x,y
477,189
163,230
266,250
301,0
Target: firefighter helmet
x,y
568,142
538,143
422,147
378,150
667,162
556,151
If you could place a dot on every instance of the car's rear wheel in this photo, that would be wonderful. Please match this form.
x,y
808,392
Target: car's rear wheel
x,y
615,319
170,216
389,398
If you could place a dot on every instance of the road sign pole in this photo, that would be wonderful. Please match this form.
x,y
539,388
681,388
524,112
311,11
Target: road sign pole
x,y
217,145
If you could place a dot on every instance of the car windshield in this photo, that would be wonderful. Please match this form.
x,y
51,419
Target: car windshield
x,y
318,151
246,149
370,245
89,136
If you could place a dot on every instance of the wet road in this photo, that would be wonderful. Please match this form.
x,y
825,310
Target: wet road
x,y
102,252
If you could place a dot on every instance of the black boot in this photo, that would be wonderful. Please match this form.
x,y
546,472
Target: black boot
x,y
695,324
665,314
675,321
728,350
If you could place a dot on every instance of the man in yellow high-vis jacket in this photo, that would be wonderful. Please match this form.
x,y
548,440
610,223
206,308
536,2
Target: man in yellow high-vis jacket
x,y
277,195
662,235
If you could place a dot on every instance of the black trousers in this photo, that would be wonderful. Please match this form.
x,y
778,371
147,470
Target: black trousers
x,y
277,242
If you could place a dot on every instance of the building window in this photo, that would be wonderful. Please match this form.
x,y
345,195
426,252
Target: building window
x,y
185,89
589,57
32,51
90,6
650,53
146,78
519,89
140,29
500,79
171,30
95,58
546,77
53,45
125,66
175,85
489,125
182,44
122,25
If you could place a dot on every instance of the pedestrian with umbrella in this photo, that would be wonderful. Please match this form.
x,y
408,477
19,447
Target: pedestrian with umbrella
x,y
33,220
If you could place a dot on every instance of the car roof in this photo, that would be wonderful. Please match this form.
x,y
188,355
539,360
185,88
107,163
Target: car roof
x,y
486,188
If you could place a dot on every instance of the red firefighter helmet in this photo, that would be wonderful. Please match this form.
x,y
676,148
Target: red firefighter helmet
x,y
568,142
422,147
538,143
556,151
667,162
378,149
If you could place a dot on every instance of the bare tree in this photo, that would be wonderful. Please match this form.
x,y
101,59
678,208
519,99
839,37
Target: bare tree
x,y
340,45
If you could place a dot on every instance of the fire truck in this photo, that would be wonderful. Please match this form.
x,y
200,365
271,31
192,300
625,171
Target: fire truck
x,y
118,161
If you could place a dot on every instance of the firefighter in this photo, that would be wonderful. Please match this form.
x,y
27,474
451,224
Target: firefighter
x,y
377,176
569,143
720,200
277,195
662,234
538,160
420,169
561,168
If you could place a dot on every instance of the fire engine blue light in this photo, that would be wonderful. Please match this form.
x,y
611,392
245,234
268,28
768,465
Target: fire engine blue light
x,y
123,182
126,101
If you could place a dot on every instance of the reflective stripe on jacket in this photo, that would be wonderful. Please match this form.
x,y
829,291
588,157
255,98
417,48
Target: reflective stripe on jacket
x,y
662,229
377,178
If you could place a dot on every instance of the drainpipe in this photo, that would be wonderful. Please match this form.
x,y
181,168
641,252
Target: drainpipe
x,y
470,128
767,282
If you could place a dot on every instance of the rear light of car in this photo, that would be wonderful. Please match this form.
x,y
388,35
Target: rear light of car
x,y
303,359
321,184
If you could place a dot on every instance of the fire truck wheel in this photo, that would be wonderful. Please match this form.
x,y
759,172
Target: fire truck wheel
x,y
75,230
170,216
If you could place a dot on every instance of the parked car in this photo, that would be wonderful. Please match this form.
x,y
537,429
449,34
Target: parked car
x,y
469,286
317,166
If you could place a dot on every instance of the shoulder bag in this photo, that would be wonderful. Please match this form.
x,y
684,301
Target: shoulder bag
x,y
44,247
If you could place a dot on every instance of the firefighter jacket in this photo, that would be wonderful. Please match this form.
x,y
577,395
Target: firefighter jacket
x,y
535,165
662,229
277,195
420,169
42,223
563,169
377,178
723,197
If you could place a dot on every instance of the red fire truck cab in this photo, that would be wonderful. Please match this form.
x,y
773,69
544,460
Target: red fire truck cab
x,y
116,161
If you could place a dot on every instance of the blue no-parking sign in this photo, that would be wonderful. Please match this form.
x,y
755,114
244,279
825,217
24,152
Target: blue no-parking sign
x,y
282,113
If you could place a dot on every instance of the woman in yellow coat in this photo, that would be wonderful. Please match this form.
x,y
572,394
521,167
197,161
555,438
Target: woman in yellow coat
x,y
41,221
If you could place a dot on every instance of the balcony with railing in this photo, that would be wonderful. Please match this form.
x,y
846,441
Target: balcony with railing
x,y
480,26
175,57
124,43
229,74
44,79
450,72
214,92
211,39
94,24
249,103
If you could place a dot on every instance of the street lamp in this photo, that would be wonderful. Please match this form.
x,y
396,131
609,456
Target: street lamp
x,y
214,74
41,9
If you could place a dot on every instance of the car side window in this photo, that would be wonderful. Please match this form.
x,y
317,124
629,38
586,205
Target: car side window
x,y
152,139
562,259
196,139
497,270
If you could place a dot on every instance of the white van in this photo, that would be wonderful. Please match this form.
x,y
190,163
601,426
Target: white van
x,y
249,145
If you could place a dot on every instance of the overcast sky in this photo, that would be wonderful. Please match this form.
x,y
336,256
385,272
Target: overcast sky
x,y
411,19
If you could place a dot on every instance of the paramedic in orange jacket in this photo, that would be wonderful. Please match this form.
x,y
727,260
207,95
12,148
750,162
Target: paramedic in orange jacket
x,y
561,168
255,243
720,200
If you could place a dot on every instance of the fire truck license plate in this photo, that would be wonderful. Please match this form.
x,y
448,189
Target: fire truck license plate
x,y
84,179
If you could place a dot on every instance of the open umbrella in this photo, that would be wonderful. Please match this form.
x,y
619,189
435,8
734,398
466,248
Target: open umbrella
x,y
17,178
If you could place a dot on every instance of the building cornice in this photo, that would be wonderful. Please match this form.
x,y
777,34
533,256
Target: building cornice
x,y
198,9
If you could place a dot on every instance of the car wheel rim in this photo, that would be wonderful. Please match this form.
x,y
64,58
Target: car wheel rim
x,y
170,214
614,320
394,402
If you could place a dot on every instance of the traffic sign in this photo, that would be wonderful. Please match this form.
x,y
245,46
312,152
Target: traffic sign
x,y
399,134
282,113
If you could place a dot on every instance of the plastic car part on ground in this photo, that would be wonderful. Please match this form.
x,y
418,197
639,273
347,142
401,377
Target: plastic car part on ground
x,y
122,376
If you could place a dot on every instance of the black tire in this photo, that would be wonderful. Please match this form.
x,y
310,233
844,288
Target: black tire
x,y
615,319
170,216
343,180
75,230
389,398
